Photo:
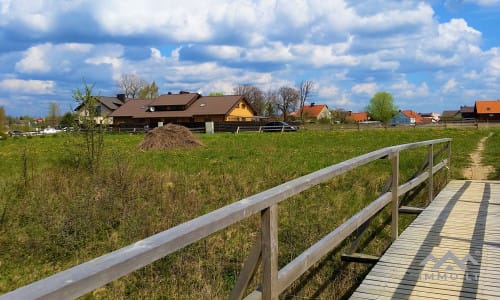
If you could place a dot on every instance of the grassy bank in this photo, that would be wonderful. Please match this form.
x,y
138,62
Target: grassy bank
x,y
54,215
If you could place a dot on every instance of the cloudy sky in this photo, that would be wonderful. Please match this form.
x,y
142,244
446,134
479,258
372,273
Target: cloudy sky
x,y
431,55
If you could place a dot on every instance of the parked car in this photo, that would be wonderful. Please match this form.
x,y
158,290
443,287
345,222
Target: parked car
x,y
17,133
278,126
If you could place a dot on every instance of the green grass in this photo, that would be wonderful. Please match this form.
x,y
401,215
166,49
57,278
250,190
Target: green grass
x,y
53,215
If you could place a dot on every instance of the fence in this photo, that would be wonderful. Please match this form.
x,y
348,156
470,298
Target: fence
x,y
84,278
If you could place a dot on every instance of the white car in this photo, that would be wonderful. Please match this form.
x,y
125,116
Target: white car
x,y
49,131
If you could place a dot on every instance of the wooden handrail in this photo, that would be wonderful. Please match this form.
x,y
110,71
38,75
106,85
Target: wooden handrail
x,y
90,275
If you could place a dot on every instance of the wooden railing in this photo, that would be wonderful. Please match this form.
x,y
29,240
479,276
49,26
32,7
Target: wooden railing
x,y
88,276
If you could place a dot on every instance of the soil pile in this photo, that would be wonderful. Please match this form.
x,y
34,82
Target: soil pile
x,y
169,137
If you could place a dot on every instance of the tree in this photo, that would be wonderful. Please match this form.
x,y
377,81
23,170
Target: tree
x,y
254,96
270,100
216,94
131,84
68,120
54,114
381,107
3,122
93,134
339,115
150,91
305,89
287,100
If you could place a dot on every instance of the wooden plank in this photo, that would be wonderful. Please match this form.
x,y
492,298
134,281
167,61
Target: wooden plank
x,y
270,289
430,187
395,197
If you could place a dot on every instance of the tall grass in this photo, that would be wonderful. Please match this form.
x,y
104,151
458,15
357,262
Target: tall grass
x,y
54,215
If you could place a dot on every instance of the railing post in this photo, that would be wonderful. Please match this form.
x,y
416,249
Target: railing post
x,y
431,179
395,198
269,219
448,173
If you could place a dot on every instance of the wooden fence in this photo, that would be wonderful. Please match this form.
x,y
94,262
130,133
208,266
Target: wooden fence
x,y
88,276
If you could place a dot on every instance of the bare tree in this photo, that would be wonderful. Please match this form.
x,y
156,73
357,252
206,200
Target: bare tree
x,y
93,134
254,96
150,91
3,121
287,100
54,114
270,100
305,90
131,85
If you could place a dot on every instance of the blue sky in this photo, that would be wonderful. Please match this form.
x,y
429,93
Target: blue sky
x,y
431,55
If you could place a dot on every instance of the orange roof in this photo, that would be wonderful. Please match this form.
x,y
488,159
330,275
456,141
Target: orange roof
x,y
411,114
358,117
310,111
488,106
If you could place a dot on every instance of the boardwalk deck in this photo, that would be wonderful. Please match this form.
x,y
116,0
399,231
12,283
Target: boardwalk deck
x,y
450,251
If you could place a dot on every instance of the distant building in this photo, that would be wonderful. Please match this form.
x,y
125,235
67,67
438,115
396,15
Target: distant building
x,y
357,116
487,110
430,117
183,108
467,112
312,112
105,106
407,117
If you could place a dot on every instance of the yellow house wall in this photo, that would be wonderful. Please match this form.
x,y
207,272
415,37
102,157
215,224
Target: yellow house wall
x,y
239,112
324,114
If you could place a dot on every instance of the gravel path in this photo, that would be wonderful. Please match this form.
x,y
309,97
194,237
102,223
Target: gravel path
x,y
476,171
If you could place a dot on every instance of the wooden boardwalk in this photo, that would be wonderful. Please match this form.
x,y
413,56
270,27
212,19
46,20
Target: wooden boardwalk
x,y
450,251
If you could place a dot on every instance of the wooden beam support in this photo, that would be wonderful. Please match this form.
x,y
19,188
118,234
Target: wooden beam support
x,y
248,271
410,210
360,258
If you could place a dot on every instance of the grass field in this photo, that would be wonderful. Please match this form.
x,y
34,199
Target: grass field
x,y
54,215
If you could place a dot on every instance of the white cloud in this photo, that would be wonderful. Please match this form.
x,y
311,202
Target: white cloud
x,y
327,91
365,88
28,86
484,2
343,101
47,57
408,90
450,85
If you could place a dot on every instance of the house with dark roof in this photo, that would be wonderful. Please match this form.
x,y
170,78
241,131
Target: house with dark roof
x,y
105,106
407,117
183,108
312,112
487,110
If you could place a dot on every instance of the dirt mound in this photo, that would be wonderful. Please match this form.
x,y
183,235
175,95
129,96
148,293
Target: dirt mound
x,y
169,137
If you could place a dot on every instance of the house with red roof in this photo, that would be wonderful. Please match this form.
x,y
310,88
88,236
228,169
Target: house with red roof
x,y
487,110
313,112
357,116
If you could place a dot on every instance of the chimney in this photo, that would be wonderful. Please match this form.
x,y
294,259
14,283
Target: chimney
x,y
120,97
312,104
